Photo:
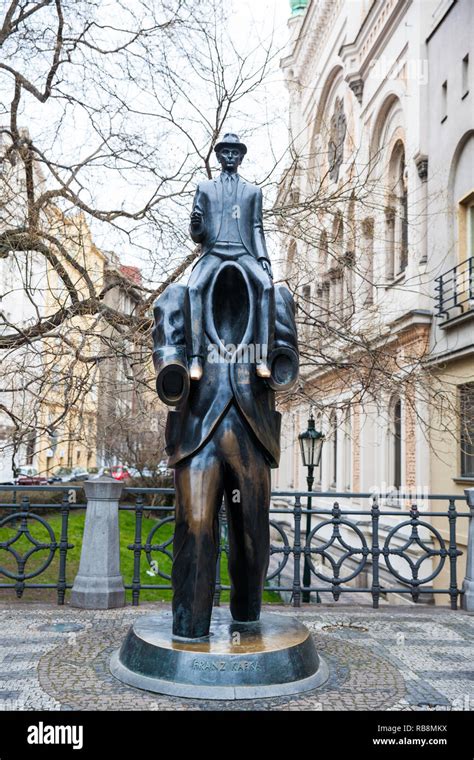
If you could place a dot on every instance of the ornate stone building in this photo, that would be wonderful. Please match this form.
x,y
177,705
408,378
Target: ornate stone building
x,y
381,180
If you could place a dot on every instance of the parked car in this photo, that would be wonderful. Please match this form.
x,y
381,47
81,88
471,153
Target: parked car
x,y
60,475
119,472
28,476
79,474
116,471
69,475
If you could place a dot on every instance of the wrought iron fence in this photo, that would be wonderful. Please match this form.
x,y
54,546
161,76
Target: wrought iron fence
x,y
330,541
19,546
339,545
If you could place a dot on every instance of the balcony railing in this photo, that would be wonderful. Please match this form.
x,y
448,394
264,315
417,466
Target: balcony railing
x,y
455,290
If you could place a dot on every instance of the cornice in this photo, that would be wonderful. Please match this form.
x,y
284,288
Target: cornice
x,y
381,20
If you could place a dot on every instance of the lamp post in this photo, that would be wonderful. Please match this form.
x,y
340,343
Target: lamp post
x,y
311,444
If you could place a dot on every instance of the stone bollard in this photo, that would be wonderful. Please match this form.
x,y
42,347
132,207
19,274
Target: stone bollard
x,y
468,583
99,584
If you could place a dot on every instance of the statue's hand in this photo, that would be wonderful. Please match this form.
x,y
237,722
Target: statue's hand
x,y
267,267
196,218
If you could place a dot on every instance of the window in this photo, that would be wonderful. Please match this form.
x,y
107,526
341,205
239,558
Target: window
x,y
367,263
444,101
403,198
470,230
464,279
395,443
467,429
396,214
465,76
347,451
333,449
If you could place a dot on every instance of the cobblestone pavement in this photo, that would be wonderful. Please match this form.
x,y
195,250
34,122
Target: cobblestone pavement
x,y
390,659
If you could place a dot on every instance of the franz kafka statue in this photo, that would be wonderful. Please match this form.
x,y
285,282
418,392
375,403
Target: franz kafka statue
x,y
223,345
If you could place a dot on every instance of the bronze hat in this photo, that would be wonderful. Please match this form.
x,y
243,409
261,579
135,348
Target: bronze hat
x,y
231,140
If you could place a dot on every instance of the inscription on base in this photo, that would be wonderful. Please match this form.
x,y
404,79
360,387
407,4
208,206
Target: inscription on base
x,y
222,665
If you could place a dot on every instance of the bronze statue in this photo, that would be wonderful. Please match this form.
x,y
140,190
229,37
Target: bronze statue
x,y
222,346
227,220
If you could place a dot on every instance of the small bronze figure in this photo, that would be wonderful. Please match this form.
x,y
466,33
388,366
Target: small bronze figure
x,y
224,435
227,220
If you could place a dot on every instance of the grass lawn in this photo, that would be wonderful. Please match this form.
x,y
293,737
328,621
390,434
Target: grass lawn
x,y
75,532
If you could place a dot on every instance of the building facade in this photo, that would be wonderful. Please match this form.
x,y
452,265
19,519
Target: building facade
x,y
381,181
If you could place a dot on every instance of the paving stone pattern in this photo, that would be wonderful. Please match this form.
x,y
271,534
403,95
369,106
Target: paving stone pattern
x,y
391,659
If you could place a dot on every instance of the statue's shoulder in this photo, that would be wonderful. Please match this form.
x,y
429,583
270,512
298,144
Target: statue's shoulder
x,y
251,188
205,185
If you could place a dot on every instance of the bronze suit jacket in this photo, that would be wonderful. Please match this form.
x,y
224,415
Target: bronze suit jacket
x,y
204,404
210,202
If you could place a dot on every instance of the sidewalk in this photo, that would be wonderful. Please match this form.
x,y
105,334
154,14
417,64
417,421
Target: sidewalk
x,y
390,659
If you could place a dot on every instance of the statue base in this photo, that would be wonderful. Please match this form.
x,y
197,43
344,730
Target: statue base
x,y
272,657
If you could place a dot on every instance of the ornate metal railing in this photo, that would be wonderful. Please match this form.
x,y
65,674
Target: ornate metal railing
x,y
455,290
336,540
382,546
20,519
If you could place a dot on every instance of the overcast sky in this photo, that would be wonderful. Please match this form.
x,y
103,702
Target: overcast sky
x,y
65,131
254,25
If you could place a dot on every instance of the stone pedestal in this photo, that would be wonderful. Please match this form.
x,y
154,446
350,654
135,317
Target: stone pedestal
x,y
99,584
272,657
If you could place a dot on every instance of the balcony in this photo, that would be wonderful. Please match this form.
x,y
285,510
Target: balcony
x,y
455,293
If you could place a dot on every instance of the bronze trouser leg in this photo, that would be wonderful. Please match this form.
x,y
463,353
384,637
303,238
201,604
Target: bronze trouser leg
x,y
233,461
198,281
199,490
248,488
266,305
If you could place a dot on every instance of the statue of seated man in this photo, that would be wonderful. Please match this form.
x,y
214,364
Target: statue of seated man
x,y
227,220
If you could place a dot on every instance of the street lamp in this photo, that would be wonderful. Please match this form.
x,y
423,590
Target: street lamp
x,y
311,445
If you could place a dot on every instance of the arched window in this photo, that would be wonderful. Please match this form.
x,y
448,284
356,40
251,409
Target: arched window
x,y
367,262
397,213
395,443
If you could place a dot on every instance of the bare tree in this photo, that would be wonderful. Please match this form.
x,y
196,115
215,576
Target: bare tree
x,y
110,114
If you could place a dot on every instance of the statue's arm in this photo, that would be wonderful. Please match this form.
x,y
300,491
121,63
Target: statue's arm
x,y
284,358
197,227
169,346
259,235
